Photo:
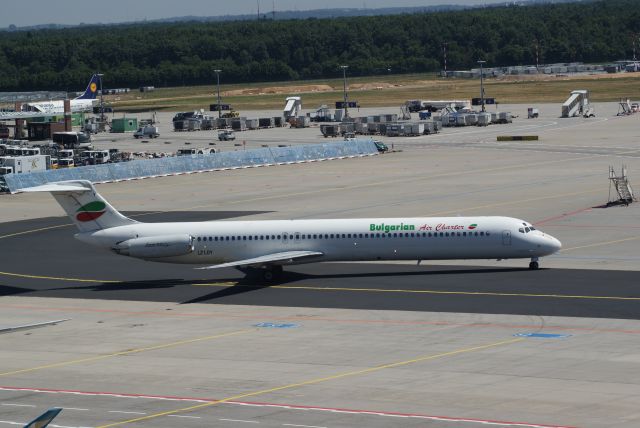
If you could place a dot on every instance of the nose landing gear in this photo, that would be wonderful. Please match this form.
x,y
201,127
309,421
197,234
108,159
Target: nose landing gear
x,y
533,265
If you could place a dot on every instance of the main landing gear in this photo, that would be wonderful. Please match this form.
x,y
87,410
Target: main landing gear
x,y
533,265
271,273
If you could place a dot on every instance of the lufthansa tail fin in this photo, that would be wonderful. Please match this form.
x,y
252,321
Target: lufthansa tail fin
x,y
92,89
83,204
44,419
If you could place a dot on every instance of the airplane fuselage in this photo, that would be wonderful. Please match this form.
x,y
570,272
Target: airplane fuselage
x,y
57,107
429,238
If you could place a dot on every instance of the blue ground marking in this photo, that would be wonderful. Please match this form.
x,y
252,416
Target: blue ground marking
x,y
543,335
274,325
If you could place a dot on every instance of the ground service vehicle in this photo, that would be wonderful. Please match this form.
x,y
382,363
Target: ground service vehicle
x,y
148,131
226,135
72,140
66,163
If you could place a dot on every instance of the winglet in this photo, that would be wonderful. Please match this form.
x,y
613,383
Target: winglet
x,y
44,419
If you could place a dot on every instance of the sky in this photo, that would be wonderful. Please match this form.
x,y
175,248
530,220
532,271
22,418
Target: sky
x,y
35,12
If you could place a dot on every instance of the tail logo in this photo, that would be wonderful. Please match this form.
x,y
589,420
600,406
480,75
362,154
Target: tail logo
x,y
93,87
472,226
91,211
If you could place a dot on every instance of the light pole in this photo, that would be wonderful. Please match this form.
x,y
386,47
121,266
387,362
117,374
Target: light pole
x,y
344,89
482,84
101,99
444,52
219,107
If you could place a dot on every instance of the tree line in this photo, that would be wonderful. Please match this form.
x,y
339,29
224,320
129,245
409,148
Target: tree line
x,y
174,54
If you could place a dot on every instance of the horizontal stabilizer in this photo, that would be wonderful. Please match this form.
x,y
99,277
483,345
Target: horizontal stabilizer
x,y
270,259
60,186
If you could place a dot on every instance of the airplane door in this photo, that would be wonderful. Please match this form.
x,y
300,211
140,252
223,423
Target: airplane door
x,y
285,238
506,237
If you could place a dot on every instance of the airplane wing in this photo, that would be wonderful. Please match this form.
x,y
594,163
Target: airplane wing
x,y
276,258
44,419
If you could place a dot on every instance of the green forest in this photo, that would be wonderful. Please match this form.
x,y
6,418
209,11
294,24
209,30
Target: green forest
x,y
250,51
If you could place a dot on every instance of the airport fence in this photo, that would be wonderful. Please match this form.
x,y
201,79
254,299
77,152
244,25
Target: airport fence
x,y
196,163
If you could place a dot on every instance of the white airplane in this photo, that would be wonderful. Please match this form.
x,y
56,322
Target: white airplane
x,y
270,244
83,103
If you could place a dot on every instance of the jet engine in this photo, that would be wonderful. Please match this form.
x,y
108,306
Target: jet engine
x,y
156,246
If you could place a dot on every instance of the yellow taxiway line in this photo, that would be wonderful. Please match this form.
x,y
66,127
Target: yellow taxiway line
x,y
346,289
401,291
317,380
128,352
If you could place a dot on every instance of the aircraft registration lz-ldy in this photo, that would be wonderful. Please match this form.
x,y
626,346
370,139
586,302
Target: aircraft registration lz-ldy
x,y
82,103
271,244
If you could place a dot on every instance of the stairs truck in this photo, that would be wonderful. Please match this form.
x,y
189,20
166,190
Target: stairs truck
x,y
577,104
292,108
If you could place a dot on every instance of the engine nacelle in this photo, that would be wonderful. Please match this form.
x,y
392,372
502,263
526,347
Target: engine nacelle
x,y
156,246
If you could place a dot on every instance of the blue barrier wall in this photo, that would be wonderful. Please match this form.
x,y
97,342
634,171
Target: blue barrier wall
x,y
200,163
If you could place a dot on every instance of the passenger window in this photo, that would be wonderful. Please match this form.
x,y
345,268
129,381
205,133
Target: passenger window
x,y
429,234
262,237
481,233
326,236
487,233
344,236
233,238
458,233
446,234
331,236
315,236
464,233
279,237
395,235
349,235
377,235
250,237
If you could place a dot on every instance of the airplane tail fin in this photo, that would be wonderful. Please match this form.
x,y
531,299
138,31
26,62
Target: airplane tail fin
x,y
83,204
44,419
92,89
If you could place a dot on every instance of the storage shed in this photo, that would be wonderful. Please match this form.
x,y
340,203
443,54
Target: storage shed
x,y
124,124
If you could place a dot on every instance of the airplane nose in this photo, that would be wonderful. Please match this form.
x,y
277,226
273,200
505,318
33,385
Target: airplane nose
x,y
556,244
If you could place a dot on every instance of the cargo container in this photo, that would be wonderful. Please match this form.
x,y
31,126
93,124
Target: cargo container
x,y
239,124
252,123
266,122
330,130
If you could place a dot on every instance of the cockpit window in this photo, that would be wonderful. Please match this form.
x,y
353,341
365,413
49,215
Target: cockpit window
x,y
527,230
532,228
521,230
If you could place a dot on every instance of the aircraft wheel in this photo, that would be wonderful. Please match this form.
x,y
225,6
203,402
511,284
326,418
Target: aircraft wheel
x,y
267,275
533,266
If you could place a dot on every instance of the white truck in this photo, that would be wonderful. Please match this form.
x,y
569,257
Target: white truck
x,y
24,164
95,157
148,131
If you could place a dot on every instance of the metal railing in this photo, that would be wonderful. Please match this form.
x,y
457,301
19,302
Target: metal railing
x,y
197,163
